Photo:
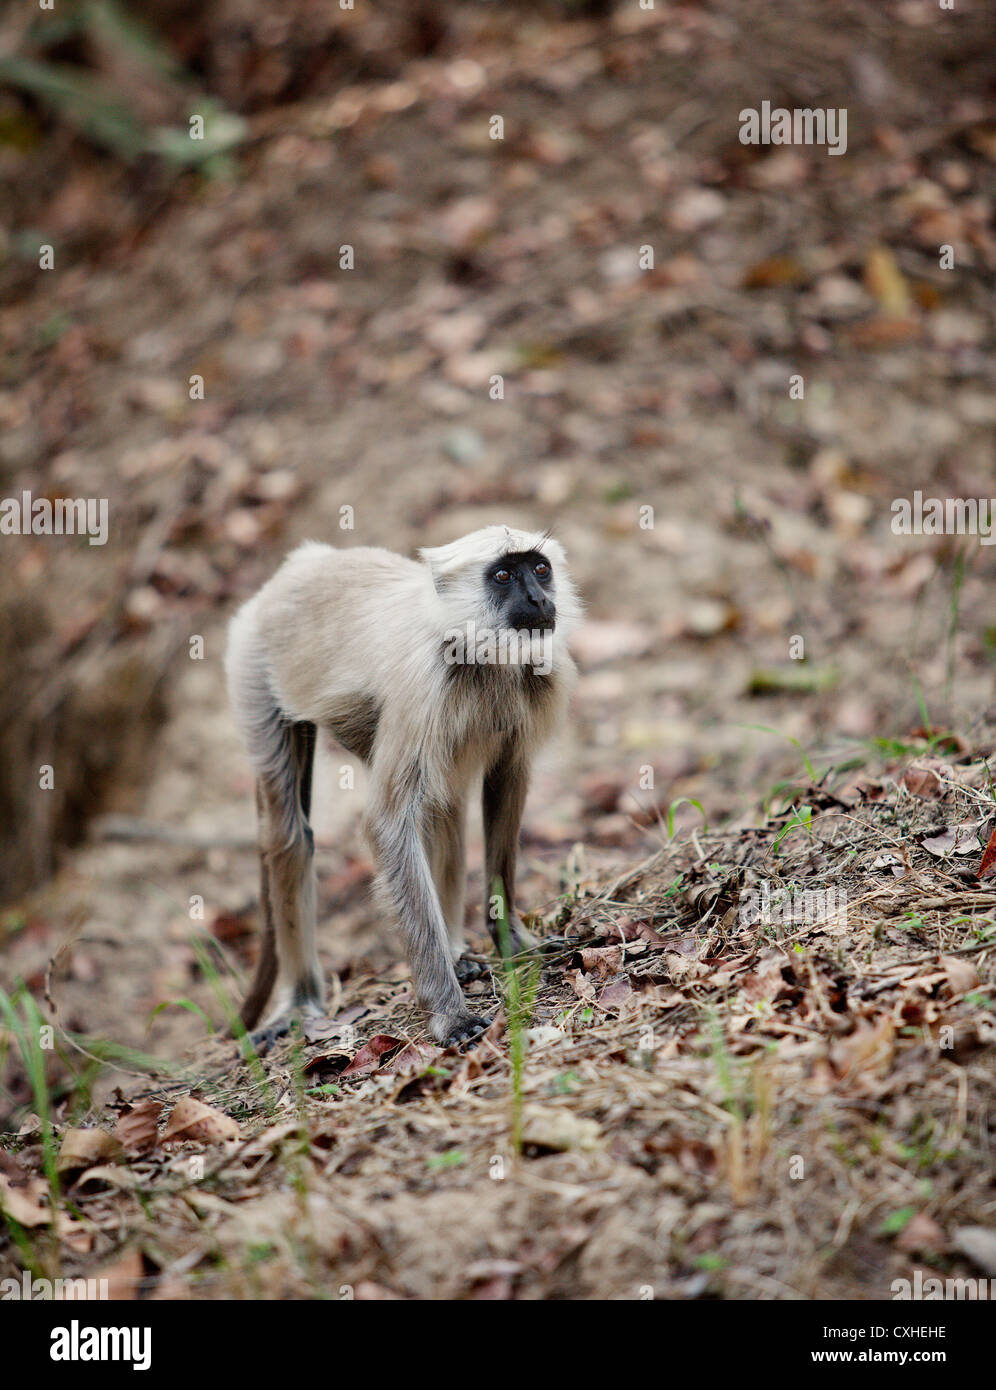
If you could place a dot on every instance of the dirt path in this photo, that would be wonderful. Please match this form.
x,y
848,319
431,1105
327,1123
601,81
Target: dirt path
x,y
624,389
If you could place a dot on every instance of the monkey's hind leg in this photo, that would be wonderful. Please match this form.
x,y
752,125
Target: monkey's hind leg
x,y
448,860
289,956
266,967
503,799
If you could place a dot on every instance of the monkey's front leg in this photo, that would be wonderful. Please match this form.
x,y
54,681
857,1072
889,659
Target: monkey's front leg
x,y
404,869
504,796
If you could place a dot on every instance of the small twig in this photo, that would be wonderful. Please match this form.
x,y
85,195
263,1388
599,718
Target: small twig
x,y
134,830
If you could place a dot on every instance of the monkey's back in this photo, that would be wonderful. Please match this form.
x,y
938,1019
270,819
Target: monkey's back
x,y
332,626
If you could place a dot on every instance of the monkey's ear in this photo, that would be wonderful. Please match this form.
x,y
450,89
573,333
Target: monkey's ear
x,y
441,560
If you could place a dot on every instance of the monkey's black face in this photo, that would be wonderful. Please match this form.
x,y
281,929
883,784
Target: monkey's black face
x,y
521,588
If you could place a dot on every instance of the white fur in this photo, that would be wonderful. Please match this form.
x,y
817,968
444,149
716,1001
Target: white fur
x,y
352,642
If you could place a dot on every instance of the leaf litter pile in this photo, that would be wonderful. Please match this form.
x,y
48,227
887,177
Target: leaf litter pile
x,y
757,1065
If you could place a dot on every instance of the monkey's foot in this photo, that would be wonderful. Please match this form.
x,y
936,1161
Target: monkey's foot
x,y
278,1026
263,1038
520,949
470,968
516,941
450,1032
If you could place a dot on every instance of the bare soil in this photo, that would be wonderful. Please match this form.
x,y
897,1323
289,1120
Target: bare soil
x,y
681,1057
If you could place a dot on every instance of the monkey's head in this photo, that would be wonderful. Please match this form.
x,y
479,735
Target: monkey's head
x,y
507,580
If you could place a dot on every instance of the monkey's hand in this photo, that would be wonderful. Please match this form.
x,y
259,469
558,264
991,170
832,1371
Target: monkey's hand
x,y
453,1030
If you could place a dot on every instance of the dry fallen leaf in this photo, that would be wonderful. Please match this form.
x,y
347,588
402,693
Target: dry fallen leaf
x,y
867,1050
368,1058
411,1059
137,1130
602,961
924,781
954,839
680,968
123,1275
616,995
547,1128
891,862
989,858
192,1119
582,984
25,1202
978,1243
921,1232
779,270
766,983
962,975
544,1034
104,1176
82,1148
886,282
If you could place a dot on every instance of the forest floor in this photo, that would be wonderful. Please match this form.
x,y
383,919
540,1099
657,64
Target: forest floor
x,y
716,1098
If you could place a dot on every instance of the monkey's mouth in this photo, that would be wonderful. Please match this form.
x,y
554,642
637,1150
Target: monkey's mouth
x,y
532,625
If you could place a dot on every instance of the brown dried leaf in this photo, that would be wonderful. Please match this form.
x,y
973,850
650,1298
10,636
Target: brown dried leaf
x,y
326,1064
413,1058
547,1128
82,1148
192,1119
962,974
954,839
978,1243
582,984
231,926
602,961
25,1201
923,778
885,331
124,1275
137,1130
104,1176
368,1058
989,858
766,982
616,995
922,1232
779,270
680,968
886,282
869,1049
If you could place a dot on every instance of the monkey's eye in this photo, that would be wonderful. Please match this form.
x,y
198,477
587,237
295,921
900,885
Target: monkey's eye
x,y
502,576
543,569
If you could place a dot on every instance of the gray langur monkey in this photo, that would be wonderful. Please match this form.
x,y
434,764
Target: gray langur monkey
x,y
432,673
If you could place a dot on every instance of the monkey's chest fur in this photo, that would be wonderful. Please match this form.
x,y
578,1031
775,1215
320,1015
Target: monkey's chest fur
x,y
479,711
501,701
